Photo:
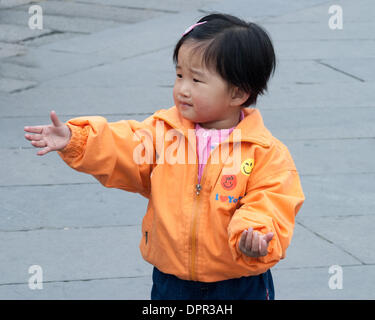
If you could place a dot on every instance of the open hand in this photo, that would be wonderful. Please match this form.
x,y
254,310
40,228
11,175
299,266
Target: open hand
x,y
254,244
52,137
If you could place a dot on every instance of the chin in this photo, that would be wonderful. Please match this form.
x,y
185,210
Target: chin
x,y
186,113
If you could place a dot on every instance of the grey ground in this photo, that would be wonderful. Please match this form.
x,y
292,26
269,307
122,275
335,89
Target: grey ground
x,y
113,58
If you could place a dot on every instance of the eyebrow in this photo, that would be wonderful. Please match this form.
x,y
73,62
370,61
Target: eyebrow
x,y
192,70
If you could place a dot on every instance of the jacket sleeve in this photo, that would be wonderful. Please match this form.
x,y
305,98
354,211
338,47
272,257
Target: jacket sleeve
x,y
112,152
273,198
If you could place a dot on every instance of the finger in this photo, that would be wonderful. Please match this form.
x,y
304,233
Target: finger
x,y
243,240
44,151
34,129
39,144
249,239
255,243
55,120
268,237
263,247
33,137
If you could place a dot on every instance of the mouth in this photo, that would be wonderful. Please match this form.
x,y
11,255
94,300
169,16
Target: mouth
x,y
185,104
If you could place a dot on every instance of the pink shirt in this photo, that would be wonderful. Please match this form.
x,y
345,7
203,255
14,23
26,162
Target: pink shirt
x,y
208,140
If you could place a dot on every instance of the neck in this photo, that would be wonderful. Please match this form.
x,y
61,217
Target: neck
x,y
223,124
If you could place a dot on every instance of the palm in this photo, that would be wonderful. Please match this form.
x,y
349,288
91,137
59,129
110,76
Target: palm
x,y
51,137
54,137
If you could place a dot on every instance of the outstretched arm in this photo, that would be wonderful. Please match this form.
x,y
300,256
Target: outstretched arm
x,y
102,149
52,137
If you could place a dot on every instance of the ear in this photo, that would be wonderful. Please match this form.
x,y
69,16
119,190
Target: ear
x,y
238,97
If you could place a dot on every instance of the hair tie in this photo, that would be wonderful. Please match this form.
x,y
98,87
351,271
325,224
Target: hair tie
x,y
192,27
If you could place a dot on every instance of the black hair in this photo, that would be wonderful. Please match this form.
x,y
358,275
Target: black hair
x,y
241,52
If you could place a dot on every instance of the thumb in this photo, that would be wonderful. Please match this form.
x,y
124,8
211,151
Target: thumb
x,y
55,120
268,237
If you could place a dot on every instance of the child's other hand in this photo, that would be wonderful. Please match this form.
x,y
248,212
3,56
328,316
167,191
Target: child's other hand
x,y
52,137
254,244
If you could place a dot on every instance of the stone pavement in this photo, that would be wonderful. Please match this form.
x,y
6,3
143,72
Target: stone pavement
x,y
113,58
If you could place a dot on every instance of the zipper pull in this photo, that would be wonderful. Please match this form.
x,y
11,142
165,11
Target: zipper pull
x,y
198,188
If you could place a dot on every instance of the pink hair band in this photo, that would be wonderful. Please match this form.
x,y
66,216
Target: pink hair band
x,y
192,27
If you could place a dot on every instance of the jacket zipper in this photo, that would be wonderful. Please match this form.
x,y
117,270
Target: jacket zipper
x,y
197,188
193,233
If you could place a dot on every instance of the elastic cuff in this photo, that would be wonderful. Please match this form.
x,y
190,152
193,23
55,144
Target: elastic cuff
x,y
77,141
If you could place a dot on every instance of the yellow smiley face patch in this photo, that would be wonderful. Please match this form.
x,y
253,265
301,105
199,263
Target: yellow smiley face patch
x,y
247,166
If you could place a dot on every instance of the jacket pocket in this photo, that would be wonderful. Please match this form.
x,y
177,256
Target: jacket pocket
x,y
146,240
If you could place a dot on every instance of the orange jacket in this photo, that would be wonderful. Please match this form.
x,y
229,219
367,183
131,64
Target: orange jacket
x,y
192,230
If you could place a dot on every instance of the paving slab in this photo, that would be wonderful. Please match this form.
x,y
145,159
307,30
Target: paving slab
x,y
60,23
12,3
16,71
338,195
49,38
320,123
136,288
353,11
14,33
157,70
69,206
358,68
49,169
168,6
49,64
312,284
82,101
13,85
91,10
307,72
130,40
10,50
317,31
348,232
309,49
328,95
308,249
319,157
73,254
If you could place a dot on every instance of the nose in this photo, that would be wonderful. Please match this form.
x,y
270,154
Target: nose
x,y
184,90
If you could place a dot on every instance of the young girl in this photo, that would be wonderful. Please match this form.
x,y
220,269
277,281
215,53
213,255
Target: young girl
x,y
213,229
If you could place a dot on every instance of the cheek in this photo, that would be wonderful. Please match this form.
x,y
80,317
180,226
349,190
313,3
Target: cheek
x,y
203,101
175,90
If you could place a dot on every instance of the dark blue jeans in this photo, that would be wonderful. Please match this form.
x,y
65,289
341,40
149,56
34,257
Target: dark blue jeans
x,y
169,287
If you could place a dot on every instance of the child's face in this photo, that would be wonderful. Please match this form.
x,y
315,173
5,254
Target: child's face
x,y
200,94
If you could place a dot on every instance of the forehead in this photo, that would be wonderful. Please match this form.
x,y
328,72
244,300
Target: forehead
x,y
191,55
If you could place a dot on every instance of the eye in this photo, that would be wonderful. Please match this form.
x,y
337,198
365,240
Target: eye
x,y
196,80
179,75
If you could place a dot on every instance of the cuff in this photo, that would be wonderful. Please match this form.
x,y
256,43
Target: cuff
x,y
77,141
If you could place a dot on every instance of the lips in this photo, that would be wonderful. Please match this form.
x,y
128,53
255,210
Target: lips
x,y
185,104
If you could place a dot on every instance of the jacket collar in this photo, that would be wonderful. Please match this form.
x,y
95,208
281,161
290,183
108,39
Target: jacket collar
x,y
252,126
